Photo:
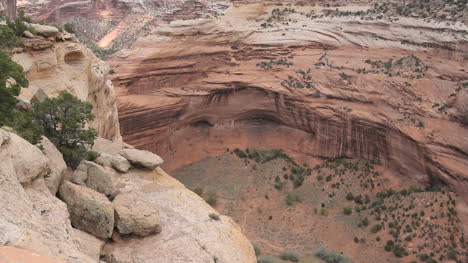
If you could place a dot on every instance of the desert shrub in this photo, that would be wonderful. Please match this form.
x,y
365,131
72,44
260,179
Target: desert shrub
x,y
376,228
211,198
292,198
331,256
350,197
365,222
257,249
214,216
289,256
69,27
64,120
267,259
198,191
399,251
347,210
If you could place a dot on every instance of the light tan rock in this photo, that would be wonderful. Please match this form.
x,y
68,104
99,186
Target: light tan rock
x,y
45,30
55,66
17,255
99,179
117,162
28,161
89,244
31,218
56,163
142,158
188,234
134,214
90,211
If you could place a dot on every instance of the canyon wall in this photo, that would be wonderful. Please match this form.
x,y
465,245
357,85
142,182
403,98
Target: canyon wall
x,y
60,63
8,7
193,88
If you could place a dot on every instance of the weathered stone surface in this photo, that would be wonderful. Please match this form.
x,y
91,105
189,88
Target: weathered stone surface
x,y
188,234
134,214
28,34
89,244
117,162
99,179
17,255
142,158
31,218
45,30
56,163
90,211
27,160
53,66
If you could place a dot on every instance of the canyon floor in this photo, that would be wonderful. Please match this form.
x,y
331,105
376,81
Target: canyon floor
x,y
285,206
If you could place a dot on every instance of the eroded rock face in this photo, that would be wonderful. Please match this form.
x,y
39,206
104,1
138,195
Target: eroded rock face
x,y
59,64
135,215
201,85
89,244
16,255
90,211
30,216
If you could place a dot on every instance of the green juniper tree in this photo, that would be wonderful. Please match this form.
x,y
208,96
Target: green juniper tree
x,y
64,120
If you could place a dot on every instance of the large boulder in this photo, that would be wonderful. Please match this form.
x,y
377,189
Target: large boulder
x,y
141,158
56,163
115,161
136,215
89,244
44,30
99,179
28,161
90,211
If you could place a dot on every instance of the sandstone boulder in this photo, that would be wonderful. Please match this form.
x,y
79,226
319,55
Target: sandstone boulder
x,y
89,244
141,158
44,30
90,211
99,179
117,162
28,34
136,215
56,163
28,161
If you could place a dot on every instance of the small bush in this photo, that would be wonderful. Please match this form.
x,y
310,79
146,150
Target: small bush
x,y
257,249
69,27
214,216
198,191
331,256
211,198
289,256
376,228
347,210
267,259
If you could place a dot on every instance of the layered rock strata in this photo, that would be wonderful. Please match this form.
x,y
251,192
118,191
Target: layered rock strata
x,y
373,90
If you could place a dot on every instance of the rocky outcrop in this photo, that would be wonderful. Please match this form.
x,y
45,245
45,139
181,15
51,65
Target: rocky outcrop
x,y
60,63
135,215
8,7
89,244
188,234
57,165
26,161
30,216
99,179
17,255
143,159
90,211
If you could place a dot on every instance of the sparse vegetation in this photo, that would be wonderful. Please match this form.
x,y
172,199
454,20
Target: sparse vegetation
x,y
211,198
271,63
289,256
332,256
